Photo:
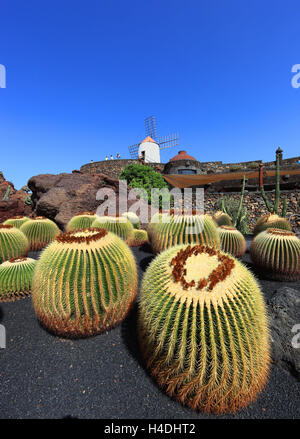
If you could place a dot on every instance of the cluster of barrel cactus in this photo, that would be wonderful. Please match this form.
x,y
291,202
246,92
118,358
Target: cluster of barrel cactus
x,y
13,243
232,241
40,231
16,221
203,328
271,221
16,278
276,253
84,283
121,226
81,221
184,229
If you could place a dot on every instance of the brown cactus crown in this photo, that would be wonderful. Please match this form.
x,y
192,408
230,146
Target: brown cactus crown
x,y
280,232
85,214
39,218
218,274
228,228
16,260
181,212
84,236
6,226
17,217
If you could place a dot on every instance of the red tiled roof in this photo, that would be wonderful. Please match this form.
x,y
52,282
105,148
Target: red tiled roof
x,y
182,155
148,139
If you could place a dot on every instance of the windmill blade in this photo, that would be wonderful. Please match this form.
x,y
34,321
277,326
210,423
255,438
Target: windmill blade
x,y
150,127
134,150
168,141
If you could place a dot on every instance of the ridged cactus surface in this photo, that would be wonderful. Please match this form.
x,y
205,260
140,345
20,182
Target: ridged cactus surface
x,y
185,229
133,218
203,328
40,232
13,243
156,219
16,278
271,221
121,226
232,241
84,283
222,218
81,221
17,221
276,253
140,237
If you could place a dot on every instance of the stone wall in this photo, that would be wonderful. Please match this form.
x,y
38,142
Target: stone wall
x,y
113,168
256,206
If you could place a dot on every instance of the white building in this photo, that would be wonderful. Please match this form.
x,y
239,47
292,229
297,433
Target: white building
x,y
149,151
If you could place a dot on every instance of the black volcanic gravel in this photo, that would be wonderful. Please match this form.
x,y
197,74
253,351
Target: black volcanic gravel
x,y
43,376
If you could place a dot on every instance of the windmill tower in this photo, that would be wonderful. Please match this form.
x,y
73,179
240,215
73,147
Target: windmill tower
x,y
149,149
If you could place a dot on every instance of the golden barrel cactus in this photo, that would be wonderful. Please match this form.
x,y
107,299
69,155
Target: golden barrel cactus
x,y
271,221
222,218
17,221
16,278
119,225
232,241
185,229
84,283
140,237
40,231
81,221
203,328
276,253
13,243
133,218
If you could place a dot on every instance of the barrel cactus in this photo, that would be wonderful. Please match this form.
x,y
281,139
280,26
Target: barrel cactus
x,y
276,253
271,221
121,226
82,220
140,237
185,229
40,231
203,328
156,219
17,221
222,218
16,278
133,218
232,241
13,243
84,283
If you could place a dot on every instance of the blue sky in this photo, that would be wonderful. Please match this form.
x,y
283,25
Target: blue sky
x,y
83,75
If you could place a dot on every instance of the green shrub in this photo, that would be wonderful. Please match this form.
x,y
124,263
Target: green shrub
x,y
234,168
141,176
253,165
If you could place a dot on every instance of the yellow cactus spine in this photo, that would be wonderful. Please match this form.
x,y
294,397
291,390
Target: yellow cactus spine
x,y
232,241
16,278
276,253
271,221
13,243
185,229
121,226
16,221
81,221
40,231
203,328
84,283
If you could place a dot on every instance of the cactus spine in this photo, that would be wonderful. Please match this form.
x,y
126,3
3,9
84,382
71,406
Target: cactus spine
x,y
40,231
13,243
81,221
276,253
121,226
84,283
17,221
16,278
271,221
232,241
203,329
185,229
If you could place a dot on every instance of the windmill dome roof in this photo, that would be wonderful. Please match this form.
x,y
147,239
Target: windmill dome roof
x,y
182,155
148,139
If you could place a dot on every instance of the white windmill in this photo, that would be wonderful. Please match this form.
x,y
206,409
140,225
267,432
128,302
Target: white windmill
x,y
149,149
